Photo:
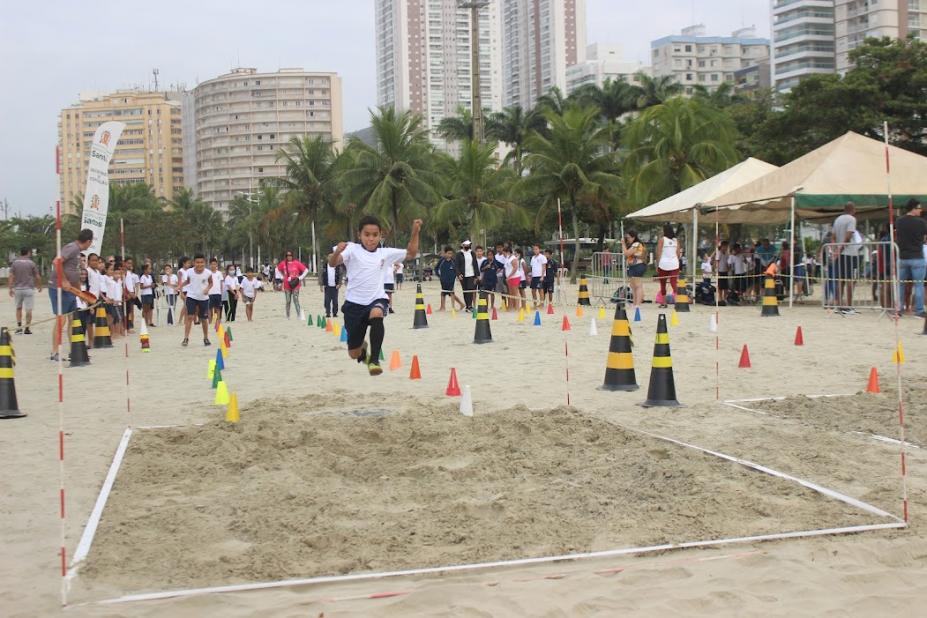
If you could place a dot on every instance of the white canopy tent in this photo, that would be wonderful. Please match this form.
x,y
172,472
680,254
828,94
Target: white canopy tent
x,y
683,207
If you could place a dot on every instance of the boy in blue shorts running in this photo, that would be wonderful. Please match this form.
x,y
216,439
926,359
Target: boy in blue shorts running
x,y
365,301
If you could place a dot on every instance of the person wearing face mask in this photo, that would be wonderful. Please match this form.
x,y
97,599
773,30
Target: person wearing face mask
x,y
231,292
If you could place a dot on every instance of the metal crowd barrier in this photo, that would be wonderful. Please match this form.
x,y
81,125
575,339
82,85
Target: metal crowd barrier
x,y
864,270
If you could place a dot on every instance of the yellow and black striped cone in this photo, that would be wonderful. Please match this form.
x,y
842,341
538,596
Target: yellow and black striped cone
x,y
79,356
619,370
583,292
770,302
662,389
483,334
682,296
420,320
101,335
9,407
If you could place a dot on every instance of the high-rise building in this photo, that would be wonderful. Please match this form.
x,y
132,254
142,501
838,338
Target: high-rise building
x,y
424,58
695,59
244,118
540,39
857,20
150,149
603,62
802,40
188,122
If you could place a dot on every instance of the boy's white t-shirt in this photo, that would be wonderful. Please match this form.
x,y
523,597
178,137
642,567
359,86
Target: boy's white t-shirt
x,y
389,275
248,288
216,287
537,265
706,268
146,280
197,283
94,282
114,288
131,282
365,271
169,282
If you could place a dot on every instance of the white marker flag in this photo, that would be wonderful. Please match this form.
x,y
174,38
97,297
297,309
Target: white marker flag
x,y
96,194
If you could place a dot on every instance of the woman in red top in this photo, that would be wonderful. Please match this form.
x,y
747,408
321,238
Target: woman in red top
x,y
293,272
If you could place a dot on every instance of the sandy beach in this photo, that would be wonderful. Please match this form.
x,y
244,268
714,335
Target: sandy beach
x,y
304,487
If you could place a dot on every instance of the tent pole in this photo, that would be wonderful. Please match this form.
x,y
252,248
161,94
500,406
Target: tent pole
x,y
624,265
791,252
693,256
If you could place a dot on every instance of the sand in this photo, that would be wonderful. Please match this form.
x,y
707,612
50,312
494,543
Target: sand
x,y
522,373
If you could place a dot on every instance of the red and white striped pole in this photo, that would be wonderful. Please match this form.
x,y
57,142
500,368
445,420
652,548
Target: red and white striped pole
x,y
125,314
899,305
566,355
59,321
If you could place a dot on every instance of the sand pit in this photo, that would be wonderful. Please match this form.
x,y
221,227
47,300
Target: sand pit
x,y
863,412
321,487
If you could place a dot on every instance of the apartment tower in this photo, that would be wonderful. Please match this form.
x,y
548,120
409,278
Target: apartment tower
x,y
540,39
857,20
695,59
424,58
244,118
803,40
150,149
603,62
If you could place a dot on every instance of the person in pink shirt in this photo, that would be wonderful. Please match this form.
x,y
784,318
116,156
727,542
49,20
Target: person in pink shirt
x,y
293,272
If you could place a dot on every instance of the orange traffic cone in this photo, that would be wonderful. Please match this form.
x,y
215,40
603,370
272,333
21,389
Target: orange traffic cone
x,y
873,386
579,311
328,325
428,309
453,388
744,358
416,372
566,324
799,338
394,361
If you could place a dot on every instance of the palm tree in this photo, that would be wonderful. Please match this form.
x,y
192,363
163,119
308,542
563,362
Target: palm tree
x,y
614,99
721,97
457,128
512,126
572,163
553,101
656,90
675,145
477,192
309,174
395,179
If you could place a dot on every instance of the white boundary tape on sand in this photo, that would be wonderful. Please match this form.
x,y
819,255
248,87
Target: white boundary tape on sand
x,y
327,579
90,530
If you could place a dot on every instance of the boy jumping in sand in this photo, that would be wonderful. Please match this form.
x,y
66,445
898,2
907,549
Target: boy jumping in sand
x,y
365,301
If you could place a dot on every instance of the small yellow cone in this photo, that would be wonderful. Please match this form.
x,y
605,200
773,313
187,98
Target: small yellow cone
x,y
225,350
601,313
221,333
898,356
521,315
212,369
231,412
579,311
222,394
453,313
336,329
674,319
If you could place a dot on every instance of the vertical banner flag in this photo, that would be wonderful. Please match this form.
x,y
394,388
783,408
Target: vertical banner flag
x,y
96,195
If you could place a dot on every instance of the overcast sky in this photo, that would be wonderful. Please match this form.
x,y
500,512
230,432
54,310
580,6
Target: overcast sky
x,y
50,50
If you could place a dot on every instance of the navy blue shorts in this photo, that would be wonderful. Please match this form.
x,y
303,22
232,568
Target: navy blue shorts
x,y
389,287
198,308
536,283
548,286
215,301
357,319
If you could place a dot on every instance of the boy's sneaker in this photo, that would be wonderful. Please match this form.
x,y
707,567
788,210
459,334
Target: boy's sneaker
x,y
28,331
363,355
185,342
18,331
374,369
206,342
53,357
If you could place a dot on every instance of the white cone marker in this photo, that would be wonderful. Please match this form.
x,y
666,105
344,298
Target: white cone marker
x,y
466,402
593,329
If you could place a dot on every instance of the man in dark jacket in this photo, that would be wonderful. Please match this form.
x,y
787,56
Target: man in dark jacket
x,y
468,271
330,279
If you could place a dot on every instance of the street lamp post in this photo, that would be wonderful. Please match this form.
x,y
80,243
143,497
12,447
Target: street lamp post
x,y
476,96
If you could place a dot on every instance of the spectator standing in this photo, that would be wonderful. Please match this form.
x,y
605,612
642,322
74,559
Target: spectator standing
x,y
467,272
668,252
848,246
291,272
24,281
635,254
446,270
911,232
330,279
68,261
